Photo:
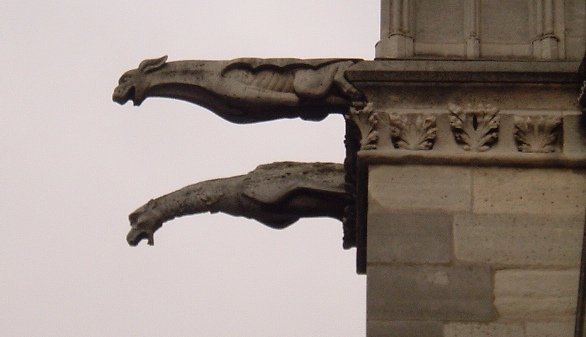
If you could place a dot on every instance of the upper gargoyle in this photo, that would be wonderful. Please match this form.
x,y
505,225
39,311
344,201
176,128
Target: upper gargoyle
x,y
246,90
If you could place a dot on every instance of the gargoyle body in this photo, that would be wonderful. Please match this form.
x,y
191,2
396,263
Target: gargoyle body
x,y
246,90
275,194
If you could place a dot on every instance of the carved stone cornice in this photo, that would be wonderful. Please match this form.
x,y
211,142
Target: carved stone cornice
x,y
479,135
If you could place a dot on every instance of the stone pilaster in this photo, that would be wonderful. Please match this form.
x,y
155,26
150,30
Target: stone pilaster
x,y
396,35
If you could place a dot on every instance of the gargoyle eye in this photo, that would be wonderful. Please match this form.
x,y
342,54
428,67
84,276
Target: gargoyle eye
x,y
124,79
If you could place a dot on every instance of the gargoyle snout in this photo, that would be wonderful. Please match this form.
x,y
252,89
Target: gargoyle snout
x,y
123,94
135,236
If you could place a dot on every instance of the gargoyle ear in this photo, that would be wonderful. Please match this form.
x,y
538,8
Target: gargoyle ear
x,y
147,66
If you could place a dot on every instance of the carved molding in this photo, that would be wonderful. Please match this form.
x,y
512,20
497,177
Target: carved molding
x,y
413,132
537,134
475,128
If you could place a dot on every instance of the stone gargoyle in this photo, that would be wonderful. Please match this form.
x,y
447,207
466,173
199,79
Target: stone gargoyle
x,y
275,194
246,90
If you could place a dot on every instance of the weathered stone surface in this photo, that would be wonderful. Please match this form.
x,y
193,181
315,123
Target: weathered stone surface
x,y
520,239
413,187
403,329
536,294
529,191
459,293
550,329
409,238
484,330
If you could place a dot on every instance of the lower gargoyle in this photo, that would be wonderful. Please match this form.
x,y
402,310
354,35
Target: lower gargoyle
x,y
276,195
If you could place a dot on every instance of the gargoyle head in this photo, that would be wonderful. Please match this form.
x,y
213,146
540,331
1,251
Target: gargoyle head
x,y
134,83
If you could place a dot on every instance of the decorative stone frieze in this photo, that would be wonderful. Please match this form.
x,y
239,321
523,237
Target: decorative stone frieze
x,y
538,134
475,128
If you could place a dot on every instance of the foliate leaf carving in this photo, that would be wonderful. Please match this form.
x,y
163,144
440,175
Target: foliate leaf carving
x,y
373,125
538,134
415,133
475,128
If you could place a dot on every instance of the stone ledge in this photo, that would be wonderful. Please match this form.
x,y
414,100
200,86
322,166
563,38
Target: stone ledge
x,y
464,71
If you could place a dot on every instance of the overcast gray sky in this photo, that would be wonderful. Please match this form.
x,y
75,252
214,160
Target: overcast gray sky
x,y
74,165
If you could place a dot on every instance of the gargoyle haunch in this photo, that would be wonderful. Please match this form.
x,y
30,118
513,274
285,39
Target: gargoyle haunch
x,y
248,91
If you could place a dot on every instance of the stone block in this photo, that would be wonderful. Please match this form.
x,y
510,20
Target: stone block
x,y
536,294
519,240
484,330
415,187
529,191
409,238
432,293
550,329
403,329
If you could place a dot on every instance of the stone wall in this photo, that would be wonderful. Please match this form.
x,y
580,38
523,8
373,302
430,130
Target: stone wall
x,y
473,251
